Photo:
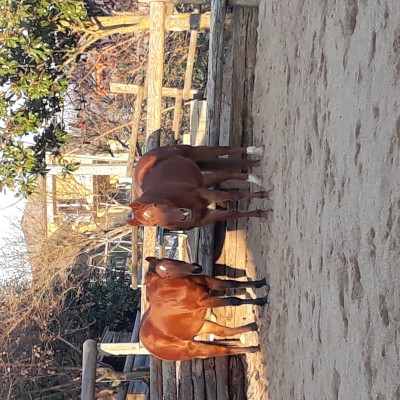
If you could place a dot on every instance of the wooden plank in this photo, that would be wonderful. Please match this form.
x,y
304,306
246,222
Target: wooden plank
x,y
156,389
198,118
154,108
226,92
121,349
134,131
211,378
116,87
89,362
237,378
231,3
149,250
189,64
135,257
244,34
155,74
173,22
185,383
199,391
169,380
215,70
222,373
177,117
206,249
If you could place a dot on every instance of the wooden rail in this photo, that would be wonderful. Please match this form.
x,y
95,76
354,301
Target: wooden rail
x,y
230,3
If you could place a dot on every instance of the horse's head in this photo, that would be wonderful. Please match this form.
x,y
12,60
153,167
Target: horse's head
x,y
154,214
167,268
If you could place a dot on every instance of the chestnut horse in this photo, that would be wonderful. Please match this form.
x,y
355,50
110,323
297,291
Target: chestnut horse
x,y
174,192
178,302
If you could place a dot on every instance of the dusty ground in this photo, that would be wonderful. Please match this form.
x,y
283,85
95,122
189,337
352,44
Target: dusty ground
x,y
327,109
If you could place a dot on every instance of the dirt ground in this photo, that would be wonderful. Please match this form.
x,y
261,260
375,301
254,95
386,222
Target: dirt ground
x,y
327,110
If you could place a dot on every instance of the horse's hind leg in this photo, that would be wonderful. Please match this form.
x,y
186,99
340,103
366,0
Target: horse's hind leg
x,y
225,331
213,178
222,284
207,349
220,196
211,302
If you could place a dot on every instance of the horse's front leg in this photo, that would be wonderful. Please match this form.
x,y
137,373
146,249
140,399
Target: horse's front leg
x,y
213,178
212,302
213,216
222,284
225,331
221,196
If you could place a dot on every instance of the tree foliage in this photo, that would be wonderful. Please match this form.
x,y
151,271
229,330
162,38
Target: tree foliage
x,y
34,43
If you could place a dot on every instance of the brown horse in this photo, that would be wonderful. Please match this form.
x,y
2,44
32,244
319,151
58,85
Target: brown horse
x,y
178,304
174,192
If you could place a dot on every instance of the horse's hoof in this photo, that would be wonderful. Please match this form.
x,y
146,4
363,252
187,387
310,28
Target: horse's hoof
x,y
269,188
253,349
254,326
265,194
262,301
254,150
265,213
254,179
254,163
261,282
269,194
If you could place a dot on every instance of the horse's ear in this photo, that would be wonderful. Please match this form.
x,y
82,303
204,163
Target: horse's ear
x,y
134,222
136,206
151,260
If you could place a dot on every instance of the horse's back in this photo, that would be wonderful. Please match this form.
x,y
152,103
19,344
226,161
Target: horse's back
x,y
174,307
152,171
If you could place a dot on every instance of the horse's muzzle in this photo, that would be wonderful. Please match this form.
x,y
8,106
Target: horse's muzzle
x,y
198,269
187,214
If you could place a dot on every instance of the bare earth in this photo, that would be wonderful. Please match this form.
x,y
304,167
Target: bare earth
x,y
327,109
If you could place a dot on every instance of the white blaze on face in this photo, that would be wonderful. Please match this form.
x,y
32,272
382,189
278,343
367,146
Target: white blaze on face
x,y
147,214
162,268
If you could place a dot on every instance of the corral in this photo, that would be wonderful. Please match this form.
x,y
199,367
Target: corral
x,y
326,108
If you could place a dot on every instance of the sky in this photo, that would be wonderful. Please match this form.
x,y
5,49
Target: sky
x,y
11,209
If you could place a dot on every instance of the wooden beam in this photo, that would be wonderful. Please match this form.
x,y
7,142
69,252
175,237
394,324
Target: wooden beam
x,y
121,349
134,130
154,108
116,87
215,68
89,362
155,74
189,64
169,380
173,22
177,117
230,3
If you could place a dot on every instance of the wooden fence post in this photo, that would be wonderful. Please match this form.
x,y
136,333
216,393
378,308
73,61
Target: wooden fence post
x,y
155,73
89,361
